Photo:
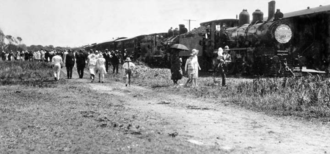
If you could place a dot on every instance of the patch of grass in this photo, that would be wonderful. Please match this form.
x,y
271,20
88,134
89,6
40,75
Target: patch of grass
x,y
37,74
307,96
74,119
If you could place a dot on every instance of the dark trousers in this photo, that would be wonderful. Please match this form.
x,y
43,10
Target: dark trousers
x,y
80,69
106,65
115,68
69,71
220,68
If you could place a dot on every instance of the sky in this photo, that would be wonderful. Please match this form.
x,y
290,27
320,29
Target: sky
x,y
73,23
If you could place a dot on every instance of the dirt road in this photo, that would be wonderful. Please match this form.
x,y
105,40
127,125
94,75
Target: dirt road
x,y
209,123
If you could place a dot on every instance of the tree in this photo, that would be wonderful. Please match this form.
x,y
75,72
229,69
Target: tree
x,y
19,38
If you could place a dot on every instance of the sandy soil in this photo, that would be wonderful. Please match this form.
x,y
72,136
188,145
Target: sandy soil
x,y
209,123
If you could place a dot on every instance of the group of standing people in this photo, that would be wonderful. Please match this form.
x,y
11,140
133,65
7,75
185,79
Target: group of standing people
x,y
192,67
40,55
97,63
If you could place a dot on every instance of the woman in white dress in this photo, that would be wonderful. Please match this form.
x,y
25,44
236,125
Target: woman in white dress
x,y
100,67
91,64
192,67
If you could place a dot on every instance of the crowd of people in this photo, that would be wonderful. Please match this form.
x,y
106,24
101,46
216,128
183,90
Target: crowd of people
x,y
40,55
97,62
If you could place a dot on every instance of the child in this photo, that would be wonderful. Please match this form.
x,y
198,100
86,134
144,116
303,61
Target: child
x,y
128,66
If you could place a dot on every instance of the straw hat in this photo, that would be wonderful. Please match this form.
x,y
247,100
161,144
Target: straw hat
x,y
128,59
194,52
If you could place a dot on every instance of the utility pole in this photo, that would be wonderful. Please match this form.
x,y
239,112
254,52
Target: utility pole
x,y
189,22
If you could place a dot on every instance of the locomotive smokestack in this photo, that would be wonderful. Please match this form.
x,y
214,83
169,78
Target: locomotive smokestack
x,y
271,10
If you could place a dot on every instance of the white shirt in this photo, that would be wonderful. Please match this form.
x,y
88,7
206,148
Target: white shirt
x,y
57,60
92,59
100,62
128,65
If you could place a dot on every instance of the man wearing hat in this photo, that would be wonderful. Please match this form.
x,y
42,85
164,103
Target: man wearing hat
x,y
115,61
106,56
224,59
128,66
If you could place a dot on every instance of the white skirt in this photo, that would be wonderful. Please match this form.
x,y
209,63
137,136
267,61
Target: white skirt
x,y
92,69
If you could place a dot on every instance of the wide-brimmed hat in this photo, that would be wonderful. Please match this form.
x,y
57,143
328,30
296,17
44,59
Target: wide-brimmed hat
x,y
194,52
128,59
226,47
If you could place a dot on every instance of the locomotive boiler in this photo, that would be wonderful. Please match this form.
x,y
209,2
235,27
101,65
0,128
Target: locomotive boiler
x,y
260,47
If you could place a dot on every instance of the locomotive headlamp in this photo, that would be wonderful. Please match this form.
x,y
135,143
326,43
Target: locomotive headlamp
x,y
283,33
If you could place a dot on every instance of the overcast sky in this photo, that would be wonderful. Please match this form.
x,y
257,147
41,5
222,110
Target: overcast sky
x,y
80,22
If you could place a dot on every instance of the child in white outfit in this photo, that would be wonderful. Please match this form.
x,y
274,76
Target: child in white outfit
x,y
128,66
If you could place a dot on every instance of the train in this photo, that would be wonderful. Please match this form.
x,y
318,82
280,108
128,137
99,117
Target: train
x,y
277,45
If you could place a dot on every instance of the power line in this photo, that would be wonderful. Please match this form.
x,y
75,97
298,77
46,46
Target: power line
x,y
189,22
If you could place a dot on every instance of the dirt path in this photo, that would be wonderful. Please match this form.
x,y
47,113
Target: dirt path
x,y
232,129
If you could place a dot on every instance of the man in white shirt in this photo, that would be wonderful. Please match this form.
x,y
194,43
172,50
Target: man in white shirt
x,y
57,62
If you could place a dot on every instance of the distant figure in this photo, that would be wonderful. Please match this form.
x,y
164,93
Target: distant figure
x,y
170,32
128,67
221,64
176,63
57,65
91,65
3,56
47,56
115,62
106,56
69,63
124,56
176,31
100,67
81,63
192,67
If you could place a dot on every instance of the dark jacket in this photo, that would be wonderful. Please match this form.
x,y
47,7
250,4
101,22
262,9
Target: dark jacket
x,y
69,60
114,59
81,59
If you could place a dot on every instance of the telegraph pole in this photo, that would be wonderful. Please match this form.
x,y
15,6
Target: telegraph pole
x,y
189,22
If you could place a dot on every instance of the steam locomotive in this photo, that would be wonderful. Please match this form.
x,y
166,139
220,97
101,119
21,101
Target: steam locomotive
x,y
279,45
297,41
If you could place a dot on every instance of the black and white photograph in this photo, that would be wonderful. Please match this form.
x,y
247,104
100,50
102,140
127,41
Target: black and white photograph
x,y
164,76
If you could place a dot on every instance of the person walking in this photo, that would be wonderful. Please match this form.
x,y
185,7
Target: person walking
x,y
69,63
176,63
81,63
192,67
100,67
115,62
91,64
106,56
57,65
128,66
